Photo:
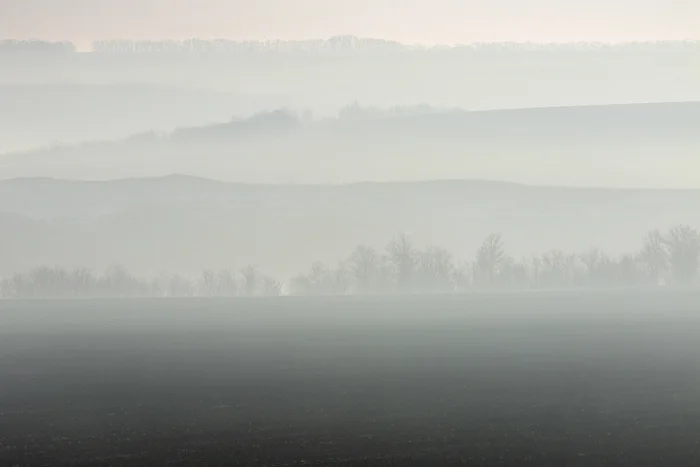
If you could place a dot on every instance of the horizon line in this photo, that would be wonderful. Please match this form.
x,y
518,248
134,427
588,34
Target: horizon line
x,y
417,45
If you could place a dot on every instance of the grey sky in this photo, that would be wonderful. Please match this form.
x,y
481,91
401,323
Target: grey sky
x,y
423,21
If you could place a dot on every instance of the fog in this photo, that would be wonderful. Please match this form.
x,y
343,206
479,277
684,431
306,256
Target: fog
x,y
346,110
343,232
181,160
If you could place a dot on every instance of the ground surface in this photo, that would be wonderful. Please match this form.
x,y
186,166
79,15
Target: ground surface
x,y
514,380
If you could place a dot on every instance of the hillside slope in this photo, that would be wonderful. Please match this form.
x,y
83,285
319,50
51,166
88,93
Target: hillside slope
x,y
186,224
635,145
37,115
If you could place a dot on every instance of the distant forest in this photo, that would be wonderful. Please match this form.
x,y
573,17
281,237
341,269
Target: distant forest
x,y
56,93
334,45
664,259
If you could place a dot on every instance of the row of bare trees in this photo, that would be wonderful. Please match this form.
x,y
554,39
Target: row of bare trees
x,y
664,259
55,282
358,44
36,47
670,258
330,45
199,46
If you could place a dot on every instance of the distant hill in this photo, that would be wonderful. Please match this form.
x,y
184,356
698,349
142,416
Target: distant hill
x,y
647,145
185,224
325,74
44,114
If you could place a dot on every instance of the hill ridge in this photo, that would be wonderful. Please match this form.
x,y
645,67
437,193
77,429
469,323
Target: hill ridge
x,y
462,182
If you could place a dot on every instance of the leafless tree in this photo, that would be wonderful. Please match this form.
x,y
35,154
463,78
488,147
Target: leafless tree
x,y
403,257
208,284
366,271
227,285
513,274
436,270
683,243
365,267
557,269
654,256
489,258
83,281
591,260
462,276
629,269
270,287
179,286
318,281
251,278
533,266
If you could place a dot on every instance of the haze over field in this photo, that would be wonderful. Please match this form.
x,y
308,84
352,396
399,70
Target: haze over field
x,y
349,232
186,225
300,130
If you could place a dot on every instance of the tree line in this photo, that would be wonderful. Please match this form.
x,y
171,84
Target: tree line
x,y
36,47
116,282
336,44
670,258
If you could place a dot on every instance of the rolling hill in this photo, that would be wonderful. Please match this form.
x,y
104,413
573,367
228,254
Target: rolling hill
x,y
185,224
653,145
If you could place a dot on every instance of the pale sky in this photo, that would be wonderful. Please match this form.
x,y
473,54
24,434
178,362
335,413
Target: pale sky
x,y
410,21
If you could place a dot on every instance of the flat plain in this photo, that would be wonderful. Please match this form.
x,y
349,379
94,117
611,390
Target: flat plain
x,y
522,379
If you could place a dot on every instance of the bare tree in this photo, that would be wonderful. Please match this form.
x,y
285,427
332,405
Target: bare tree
x,y
683,245
17,286
603,271
83,281
489,258
227,285
629,269
462,276
591,260
365,266
178,286
270,287
320,278
366,271
117,282
654,257
318,281
556,269
208,284
533,267
301,285
251,278
435,269
403,257
513,274
340,280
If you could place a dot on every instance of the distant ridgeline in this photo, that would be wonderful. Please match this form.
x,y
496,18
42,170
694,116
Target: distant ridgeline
x,y
339,44
671,259
34,47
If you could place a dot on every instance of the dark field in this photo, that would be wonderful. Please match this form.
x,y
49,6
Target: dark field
x,y
510,380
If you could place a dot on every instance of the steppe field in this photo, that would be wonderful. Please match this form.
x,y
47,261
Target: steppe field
x,y
523,379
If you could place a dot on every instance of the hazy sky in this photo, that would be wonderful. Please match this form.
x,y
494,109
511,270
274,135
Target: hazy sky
x,y
424,21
